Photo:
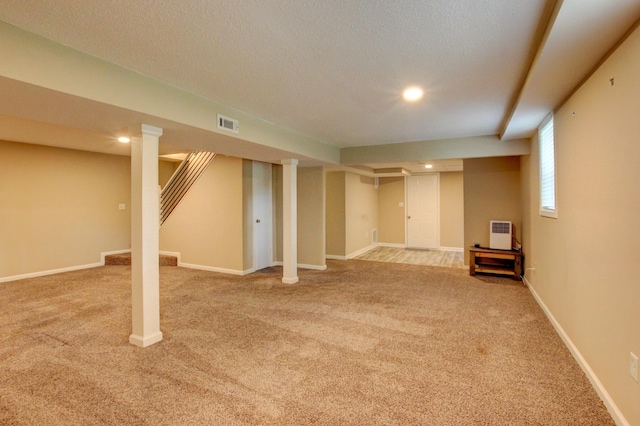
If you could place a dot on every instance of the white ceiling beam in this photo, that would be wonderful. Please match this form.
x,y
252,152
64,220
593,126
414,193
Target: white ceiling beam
x,y
57,70
474,147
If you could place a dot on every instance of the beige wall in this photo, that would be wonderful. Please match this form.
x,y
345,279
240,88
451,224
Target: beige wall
x,y
247,215
207,226
491,192
277,183
391,214
361,212
391,210
452,210
165,171
59,207
311,216
335,214
584,258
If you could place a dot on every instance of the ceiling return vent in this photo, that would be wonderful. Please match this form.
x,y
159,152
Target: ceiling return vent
x,y
228,124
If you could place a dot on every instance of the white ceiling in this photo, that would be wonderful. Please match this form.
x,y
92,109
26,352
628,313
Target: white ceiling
x,y
437,166
334,69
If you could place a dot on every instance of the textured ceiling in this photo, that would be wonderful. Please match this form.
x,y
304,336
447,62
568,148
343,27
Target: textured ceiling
x,y
330,69
334,70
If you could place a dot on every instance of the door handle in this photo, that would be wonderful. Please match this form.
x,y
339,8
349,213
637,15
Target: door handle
x,y
257,220
408,217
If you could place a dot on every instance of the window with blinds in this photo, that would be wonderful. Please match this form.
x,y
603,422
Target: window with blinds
x,y
547,168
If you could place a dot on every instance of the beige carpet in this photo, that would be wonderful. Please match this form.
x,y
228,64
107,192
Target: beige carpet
x,y
361,343
125,259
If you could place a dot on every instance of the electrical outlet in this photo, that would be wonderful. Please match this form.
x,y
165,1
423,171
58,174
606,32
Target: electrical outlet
x,y
633,366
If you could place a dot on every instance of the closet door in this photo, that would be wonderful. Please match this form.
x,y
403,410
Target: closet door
x,y
262,216
423,219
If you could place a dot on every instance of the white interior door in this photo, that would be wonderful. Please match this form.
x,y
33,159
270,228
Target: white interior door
x,y
262,216
423,218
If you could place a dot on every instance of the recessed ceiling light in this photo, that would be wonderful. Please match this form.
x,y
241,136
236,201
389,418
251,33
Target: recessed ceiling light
x,y
428,166
412,94
124,139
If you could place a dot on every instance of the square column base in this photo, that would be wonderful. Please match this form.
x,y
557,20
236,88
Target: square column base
x,y
143,342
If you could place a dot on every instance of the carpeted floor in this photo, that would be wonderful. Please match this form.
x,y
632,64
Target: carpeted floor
x,y
362,343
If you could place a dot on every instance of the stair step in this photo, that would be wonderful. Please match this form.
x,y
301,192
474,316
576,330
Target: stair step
x,y
125,259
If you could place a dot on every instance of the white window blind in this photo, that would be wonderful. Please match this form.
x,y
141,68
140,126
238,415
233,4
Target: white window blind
x,y
547,168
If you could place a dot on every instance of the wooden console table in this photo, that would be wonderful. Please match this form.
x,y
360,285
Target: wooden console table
x,y
492,261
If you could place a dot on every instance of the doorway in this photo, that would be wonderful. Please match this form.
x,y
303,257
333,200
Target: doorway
x,y
423,218
262,216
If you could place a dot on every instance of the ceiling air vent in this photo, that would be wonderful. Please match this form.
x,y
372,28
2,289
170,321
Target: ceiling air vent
x,y
228,124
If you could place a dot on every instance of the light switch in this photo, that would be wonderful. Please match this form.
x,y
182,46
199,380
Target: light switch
x,y
121,206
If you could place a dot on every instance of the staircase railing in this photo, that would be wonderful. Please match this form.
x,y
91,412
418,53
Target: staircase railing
x,y
182,180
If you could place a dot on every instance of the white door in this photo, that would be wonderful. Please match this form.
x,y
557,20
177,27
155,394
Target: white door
x,y
423,219
262,217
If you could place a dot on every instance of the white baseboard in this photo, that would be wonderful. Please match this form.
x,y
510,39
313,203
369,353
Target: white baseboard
x,y
361,251
62,270
205,267
616,414
304,266
143,342
391,245
314,267
456,249
51,272
213,269
171,253
107,253
335,257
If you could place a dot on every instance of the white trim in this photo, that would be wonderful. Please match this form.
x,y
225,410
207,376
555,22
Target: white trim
x,y
143,342
205,267
407,187
215,269
304,266
456,249
335,257
553,214
171,253
546,212
51,272
391,245
260,168
108,253
406,211
62,270
361,251
617,415
314,267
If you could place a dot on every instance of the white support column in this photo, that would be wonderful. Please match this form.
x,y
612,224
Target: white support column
x,y
145,241
290,221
